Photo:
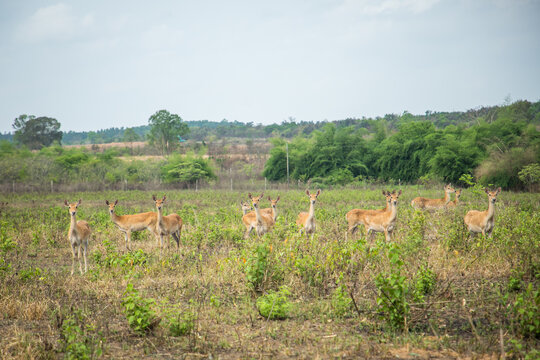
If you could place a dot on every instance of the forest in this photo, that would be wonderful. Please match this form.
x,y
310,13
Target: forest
x,y
497,145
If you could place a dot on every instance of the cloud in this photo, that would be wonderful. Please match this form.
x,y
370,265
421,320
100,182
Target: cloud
x,y
55,22
380,7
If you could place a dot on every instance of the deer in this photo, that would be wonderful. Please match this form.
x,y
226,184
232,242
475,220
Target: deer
x,y
261,221
272,210
453,204
355,217
306,220
78,235
483,221
245,206
383,221
134,222
430,204
167,225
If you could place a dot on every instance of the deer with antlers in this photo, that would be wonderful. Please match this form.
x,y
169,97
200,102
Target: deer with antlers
x,y
306,220
78,235
135,222
383,221
261,221
423,203
167,225
356,217
483,221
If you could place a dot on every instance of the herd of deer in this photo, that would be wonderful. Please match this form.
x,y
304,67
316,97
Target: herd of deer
x,y
262,220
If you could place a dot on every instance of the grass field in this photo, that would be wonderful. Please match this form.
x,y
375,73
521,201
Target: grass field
x,y
433,292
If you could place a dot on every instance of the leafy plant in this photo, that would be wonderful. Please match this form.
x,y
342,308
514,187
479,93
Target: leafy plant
x,y
393,290
181,323
425,281
138,310
78,342
275,304
525,312
257,266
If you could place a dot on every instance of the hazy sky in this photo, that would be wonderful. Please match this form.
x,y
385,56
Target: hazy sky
x,y
98,64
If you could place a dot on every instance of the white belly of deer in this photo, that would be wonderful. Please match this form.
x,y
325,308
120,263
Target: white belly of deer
x,y
376,227
310,227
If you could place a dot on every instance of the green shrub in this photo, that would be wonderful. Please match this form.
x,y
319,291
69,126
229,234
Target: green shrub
x,y
275,304
138,310
181,323
525,312
78,340
424,284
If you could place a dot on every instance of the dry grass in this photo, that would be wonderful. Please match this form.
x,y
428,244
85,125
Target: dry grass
x,y
207,277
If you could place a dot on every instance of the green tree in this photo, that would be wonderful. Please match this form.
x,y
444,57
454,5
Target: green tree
x,y
186,169
36,132
530,175
165,128
130,136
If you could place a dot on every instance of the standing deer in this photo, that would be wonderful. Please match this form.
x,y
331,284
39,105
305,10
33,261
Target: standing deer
x,y
483,221
78,235
135,222
430,204
167,225
383,221
272,210
306,220
455,202
261,222
356,217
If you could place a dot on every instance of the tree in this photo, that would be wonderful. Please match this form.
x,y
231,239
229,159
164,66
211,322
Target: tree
x,y
165,128
130,136
36,132
530,175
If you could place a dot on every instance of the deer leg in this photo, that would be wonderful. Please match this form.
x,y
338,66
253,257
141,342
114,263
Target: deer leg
x,y
79,257
72,258
85,251
176,236
386,235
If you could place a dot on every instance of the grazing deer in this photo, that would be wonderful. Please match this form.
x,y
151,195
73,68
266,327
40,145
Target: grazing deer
x,y
167,225
135,222
261,222
483,221
246,206
78,235
429,204
383,221
356,217
455,202
306,220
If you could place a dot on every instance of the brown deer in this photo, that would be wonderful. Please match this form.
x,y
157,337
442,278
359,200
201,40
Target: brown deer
x,y
78,235
167,225
261,222
245,206
356,217
135,222
430,204
483,221
383,221
306,220
453,204
272,210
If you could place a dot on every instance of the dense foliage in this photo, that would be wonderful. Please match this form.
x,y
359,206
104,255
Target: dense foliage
x,y
38,132
494,149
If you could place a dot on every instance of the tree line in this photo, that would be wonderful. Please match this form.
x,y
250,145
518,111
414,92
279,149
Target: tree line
x,y
494,147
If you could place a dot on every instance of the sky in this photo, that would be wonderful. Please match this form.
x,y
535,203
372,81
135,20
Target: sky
x,y
99,64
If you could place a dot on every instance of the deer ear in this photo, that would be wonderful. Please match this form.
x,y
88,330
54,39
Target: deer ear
x,y
498,189
307,192
107,202
318,192
277,198
66,203
262,194
399,193
154,197
80,201
164,197
116,202
269,199
486,190
249,195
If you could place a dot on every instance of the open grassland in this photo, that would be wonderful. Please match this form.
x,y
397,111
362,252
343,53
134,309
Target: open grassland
x,y
433,292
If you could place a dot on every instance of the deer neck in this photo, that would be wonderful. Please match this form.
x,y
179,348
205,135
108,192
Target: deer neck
x,y
392,211
446,197
258,214
274,212
490,210
73,224
160,215
311,213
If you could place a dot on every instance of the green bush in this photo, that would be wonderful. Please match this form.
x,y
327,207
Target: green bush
x,y
138,310
275,305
